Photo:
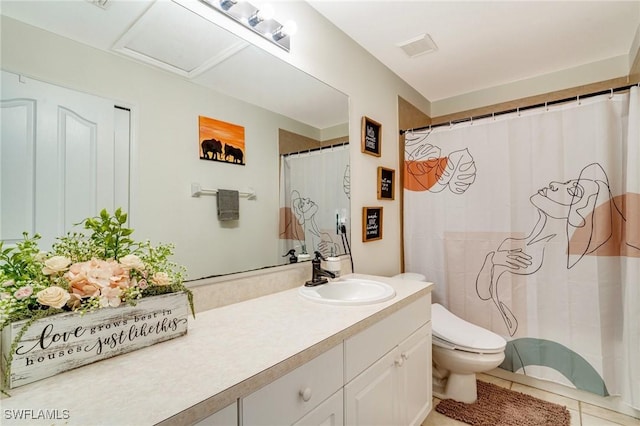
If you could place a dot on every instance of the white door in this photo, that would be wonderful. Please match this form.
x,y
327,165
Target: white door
x,y
415,376
372,397
64,156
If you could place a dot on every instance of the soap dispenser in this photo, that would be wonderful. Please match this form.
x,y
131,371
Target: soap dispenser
x,y
304,255
292,256
332,264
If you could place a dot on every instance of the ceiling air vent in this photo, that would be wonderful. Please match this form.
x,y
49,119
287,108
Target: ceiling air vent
x,y
103,4
418,45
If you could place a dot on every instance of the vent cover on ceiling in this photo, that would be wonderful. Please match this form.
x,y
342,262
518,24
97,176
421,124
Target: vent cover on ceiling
x,y
418,45
103,4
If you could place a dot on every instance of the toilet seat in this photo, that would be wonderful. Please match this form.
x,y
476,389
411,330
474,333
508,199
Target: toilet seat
x,y
452,332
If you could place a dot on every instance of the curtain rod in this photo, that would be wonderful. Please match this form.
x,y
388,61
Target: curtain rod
x,y
304,151
544,104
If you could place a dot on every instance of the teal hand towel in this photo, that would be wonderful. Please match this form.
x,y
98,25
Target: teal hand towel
x,y
228,204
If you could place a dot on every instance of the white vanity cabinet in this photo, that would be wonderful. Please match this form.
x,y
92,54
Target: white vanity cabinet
x,y
310,394
388,369
379,376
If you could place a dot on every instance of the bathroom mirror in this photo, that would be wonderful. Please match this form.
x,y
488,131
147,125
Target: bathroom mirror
x,y
258,91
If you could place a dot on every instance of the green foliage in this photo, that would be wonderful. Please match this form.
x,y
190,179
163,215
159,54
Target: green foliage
x,y
108,243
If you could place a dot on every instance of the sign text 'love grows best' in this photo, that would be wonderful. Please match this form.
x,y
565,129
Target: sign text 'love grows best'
x,y
62,342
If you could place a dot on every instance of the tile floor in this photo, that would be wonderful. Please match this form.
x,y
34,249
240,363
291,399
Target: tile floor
x,y
582,413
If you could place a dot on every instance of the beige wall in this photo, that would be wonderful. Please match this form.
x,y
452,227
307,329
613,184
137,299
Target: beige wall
x,y
329,55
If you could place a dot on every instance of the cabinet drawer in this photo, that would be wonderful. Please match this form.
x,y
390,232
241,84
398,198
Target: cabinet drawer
x,y
290,397
366,347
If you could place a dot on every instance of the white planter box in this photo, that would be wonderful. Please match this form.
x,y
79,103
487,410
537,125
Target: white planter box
x,y
62,342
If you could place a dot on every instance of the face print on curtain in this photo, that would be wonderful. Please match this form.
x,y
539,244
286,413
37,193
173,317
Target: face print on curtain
x,y
529,226
593,222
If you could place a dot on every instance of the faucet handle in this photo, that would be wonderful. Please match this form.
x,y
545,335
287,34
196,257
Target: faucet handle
x,y
319,256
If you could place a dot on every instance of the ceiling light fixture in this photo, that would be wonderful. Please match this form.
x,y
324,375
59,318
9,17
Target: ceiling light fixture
x,y
259,20
227,4
288,29
261,15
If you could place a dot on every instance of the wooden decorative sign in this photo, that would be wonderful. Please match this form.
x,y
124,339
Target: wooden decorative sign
x,y
371,137
371,223
65,341
386,183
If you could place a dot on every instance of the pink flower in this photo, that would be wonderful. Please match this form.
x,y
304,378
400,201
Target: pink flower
x,y
110,297
87,279
23,292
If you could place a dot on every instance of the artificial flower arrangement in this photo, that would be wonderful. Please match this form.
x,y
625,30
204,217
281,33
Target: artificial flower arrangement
x,y
83,273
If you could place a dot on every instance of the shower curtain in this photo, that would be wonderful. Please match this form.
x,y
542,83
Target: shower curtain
x,y
529,225
314,199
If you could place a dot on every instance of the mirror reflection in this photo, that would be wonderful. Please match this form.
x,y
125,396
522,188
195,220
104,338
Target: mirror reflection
x,y
196,69
314,197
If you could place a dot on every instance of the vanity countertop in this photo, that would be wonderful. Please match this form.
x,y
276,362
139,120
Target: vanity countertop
x,y
227,353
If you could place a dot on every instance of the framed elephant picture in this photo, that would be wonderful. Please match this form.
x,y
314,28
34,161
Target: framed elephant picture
x,y
221,141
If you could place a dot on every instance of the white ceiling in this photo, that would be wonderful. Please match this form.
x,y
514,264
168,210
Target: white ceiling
x,y
171,36
482,44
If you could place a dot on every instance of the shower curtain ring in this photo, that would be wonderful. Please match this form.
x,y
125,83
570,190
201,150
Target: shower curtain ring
x,y
611,95
578,98
546,106
518,111
471,121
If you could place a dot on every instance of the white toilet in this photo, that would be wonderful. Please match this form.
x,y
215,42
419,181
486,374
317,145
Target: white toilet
x,y
459,351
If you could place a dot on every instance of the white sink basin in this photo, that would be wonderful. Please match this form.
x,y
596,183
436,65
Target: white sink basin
x,y
349,291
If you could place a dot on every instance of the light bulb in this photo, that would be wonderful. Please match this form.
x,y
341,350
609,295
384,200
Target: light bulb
x,y
264,13
290,28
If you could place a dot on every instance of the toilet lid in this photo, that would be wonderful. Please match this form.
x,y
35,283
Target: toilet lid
x,y
452,332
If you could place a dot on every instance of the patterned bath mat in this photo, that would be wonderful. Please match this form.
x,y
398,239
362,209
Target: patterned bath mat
x,y
497,406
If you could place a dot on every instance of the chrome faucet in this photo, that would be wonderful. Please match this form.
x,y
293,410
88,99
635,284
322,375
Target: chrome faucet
x,y
318,275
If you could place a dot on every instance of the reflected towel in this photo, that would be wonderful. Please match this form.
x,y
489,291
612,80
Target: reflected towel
x,y
228,204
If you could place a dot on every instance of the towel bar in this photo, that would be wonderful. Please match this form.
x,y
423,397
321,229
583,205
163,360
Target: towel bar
x,y
197,190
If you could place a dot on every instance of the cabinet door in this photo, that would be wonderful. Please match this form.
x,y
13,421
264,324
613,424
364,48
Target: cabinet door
x,y
415,376
329,413
372,397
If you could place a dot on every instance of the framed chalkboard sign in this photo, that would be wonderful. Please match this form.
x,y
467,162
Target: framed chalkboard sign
x,y
386,183
371,136
371,223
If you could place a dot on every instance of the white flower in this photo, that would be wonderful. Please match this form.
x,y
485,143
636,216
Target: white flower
x,y
41,256
131,261
161,279
54,296
56,264
8,283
